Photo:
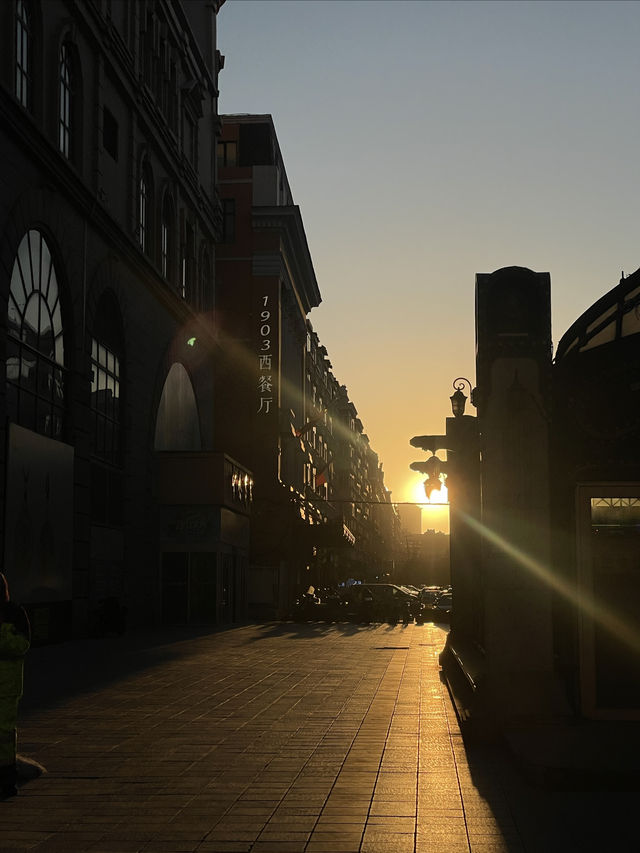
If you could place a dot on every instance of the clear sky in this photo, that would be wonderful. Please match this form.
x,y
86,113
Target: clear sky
x,y
428,141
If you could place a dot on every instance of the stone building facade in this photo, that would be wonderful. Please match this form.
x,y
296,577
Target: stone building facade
x,y
109,217
283,411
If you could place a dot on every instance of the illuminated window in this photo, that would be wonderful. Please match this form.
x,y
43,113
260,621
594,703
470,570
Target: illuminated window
x,y
35,350
65,96
23,53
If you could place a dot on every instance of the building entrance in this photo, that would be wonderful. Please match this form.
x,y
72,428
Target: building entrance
x,y
189,587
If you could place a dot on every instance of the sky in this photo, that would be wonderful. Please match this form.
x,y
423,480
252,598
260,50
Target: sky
x,y
426,142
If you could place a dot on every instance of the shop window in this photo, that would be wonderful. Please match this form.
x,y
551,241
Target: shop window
x,y
35,349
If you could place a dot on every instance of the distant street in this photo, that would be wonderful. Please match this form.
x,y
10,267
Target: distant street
x,y
281,737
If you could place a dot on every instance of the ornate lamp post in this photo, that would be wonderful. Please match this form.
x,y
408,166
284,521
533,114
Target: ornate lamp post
x,y
458,398
463,482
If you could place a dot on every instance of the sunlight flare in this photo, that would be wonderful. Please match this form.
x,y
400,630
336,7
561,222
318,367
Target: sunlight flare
x,y
619,627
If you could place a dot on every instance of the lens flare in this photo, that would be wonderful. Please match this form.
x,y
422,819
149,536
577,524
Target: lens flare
x,y
625,631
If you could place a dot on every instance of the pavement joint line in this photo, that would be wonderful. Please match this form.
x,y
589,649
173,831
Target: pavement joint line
x,y
352,740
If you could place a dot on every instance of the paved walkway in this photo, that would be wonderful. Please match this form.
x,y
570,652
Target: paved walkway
x,y
281,737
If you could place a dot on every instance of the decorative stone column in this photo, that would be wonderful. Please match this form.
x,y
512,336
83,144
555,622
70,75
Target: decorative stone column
x,y
501,672
513,365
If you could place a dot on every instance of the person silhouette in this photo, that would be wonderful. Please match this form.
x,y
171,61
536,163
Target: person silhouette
x,y
15,639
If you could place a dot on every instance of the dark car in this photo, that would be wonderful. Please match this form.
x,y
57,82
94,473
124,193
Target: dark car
x,y
376,602
440,609
428,594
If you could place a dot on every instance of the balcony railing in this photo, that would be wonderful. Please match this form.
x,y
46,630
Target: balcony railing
x,y
209,478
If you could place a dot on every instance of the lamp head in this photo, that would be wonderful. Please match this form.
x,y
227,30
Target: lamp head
x,y
458,402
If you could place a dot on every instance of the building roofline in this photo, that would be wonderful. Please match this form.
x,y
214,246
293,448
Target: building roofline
x,y
587,326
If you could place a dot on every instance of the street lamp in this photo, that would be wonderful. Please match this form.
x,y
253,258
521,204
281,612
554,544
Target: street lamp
x,y
434,468
458,399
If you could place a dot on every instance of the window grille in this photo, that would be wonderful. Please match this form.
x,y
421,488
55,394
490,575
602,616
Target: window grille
x,y
35,349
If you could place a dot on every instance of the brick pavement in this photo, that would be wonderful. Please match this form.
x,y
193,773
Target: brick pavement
x,y
282,737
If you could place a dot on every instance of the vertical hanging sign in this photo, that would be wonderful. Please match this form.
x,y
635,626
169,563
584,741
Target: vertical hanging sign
x,y
266,393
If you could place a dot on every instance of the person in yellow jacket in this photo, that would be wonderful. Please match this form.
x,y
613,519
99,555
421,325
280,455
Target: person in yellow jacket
x,y
15,639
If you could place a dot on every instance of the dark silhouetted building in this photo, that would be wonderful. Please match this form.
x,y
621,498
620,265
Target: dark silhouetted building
x,y
546,622
109,217
595,499
280,408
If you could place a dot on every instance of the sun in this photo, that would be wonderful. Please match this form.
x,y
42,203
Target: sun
x,y
435,512
419,496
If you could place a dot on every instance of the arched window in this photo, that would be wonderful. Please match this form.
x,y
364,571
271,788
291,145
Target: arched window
x,y
106,382
65,98
167,237
35,349
23,53
177,421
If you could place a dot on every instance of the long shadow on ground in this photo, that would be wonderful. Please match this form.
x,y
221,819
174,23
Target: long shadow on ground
x,y
55,673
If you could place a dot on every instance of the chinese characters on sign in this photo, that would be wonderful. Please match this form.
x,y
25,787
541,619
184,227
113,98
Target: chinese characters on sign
x,y
265,355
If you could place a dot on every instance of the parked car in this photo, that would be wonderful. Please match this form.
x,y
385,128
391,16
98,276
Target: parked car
x,y
376,602
440,608
428,594
444,603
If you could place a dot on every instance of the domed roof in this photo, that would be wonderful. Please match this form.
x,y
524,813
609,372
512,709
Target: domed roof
x,y
615,315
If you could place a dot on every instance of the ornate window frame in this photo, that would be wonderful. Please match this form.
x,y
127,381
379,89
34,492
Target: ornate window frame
x,y
35,371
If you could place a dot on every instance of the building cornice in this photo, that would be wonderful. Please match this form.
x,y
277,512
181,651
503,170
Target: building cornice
x,y
287,220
